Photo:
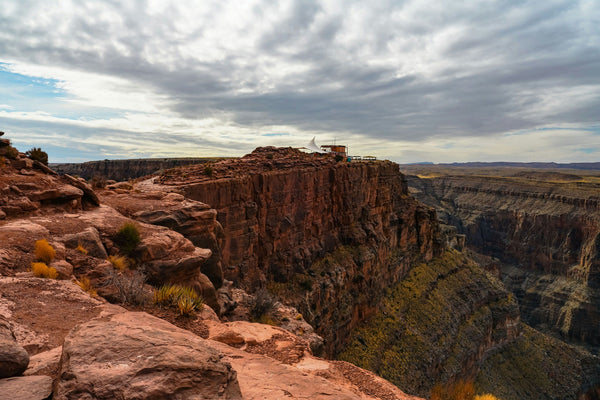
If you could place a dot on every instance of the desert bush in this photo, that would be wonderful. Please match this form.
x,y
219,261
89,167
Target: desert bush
x,y
130,285
37,154
262,304
44,251
208,170
128,237
41,270
87,287
184,298
119,262
338,158
461,390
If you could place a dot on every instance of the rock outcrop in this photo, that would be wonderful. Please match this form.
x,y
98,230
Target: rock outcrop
x,y
137,356
284,213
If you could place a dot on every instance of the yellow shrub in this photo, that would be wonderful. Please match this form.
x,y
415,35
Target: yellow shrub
x,y
41,270
461,390
44,251
184,298
486,397
81,249
185,305
119,263
86,285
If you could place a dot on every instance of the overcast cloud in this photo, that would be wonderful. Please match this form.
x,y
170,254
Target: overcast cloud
x,y
404,80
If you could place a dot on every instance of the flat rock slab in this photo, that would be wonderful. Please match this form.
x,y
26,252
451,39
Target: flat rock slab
x,y
36,387
134,355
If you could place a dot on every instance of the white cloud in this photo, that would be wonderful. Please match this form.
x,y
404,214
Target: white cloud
x,y
389,77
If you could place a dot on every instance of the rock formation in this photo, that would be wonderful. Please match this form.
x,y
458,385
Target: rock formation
x,y
122,170
545,229
284,213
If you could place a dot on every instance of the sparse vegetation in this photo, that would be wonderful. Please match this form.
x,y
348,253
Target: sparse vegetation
x,y
85,284
37,154
461,390
184,298
2,162
81,249
262,304
130,285
41,270
44,252
119,262
208,170
128,237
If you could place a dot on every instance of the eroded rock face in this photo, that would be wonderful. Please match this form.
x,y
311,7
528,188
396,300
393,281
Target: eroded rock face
x,y
547,232
137,356
283,211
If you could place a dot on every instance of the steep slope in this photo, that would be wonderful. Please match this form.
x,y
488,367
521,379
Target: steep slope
x,y
436,325
544,227
328,237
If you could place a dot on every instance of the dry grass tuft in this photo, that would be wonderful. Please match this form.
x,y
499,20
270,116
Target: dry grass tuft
x,y
120,263
41,270
184,298
81,249
486,397
44,252
87,287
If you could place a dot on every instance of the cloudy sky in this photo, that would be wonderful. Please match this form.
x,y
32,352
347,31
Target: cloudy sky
x,y
404,80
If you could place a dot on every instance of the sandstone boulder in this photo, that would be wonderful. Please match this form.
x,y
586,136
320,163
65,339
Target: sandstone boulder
x,y
64,269
13,357
57,193
89,238
46,362
26,388
133,355
88,192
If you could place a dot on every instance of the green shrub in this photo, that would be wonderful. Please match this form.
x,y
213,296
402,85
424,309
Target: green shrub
x,y
128,237
208,170
37,154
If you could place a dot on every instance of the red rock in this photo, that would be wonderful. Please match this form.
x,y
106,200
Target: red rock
x,y
137,356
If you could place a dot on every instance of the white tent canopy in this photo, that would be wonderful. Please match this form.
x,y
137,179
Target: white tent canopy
x,y
312,146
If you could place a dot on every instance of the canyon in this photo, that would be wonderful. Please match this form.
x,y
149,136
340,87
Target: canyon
x,y
353,269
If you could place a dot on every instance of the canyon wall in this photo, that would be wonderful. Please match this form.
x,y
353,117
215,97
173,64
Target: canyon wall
x,y
328,237
122,170
546,233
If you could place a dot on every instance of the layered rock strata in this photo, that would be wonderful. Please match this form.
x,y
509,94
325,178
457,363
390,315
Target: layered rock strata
x,y
545,227
122,170
284,213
